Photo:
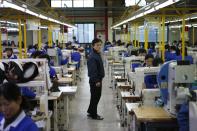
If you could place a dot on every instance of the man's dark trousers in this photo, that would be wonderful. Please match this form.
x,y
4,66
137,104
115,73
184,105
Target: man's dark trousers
x,y
95,97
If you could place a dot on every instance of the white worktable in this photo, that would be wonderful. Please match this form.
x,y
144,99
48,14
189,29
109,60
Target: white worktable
x,y
67,91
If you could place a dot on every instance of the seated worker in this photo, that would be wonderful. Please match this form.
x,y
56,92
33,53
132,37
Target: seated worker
x,y
75,43
36,54
52,71
64,61
31,49
59,55
151,50
12,108
167,52
76,56
142,52
148,60
187,57
9,53
156,54
151,80
129,45
172,55
107,45
69,46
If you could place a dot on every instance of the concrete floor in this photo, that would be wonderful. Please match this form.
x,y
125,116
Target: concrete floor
x,y
106,108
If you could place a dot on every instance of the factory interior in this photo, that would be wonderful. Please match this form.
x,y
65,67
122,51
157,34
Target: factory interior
x,y
98,65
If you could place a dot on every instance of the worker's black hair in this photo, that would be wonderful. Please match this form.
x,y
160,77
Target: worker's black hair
x,y
134,52
141,50
75,49
36,54
167,47
173,48
9,49
96,40
157,62
74,37
174,41
149,56
11,92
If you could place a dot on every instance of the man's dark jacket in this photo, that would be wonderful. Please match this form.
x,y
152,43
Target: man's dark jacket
x,y
95,67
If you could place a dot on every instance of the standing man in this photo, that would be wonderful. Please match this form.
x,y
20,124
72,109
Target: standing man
x,y
96,73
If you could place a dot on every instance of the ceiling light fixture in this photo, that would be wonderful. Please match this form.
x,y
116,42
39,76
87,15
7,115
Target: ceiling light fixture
x,y
9,4
157,7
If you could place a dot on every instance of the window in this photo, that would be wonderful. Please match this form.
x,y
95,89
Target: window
x,y
67,3
153,34
72,3
134,2
56,3
84,33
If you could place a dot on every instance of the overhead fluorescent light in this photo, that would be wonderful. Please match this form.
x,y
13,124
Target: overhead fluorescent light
x,y
179,20
157,7
193,17
6,4
23,5
31,12
43,27
147,8
179,26
157,3
139,15
23,8
165,4
8,22
10,28
43,17
117,28
149,11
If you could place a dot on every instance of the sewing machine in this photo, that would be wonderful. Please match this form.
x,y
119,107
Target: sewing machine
x,y
116,52
138,77
174,80
66,54
130,60
52,52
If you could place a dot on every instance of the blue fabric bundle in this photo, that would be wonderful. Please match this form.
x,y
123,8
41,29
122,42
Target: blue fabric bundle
x,y
183,117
